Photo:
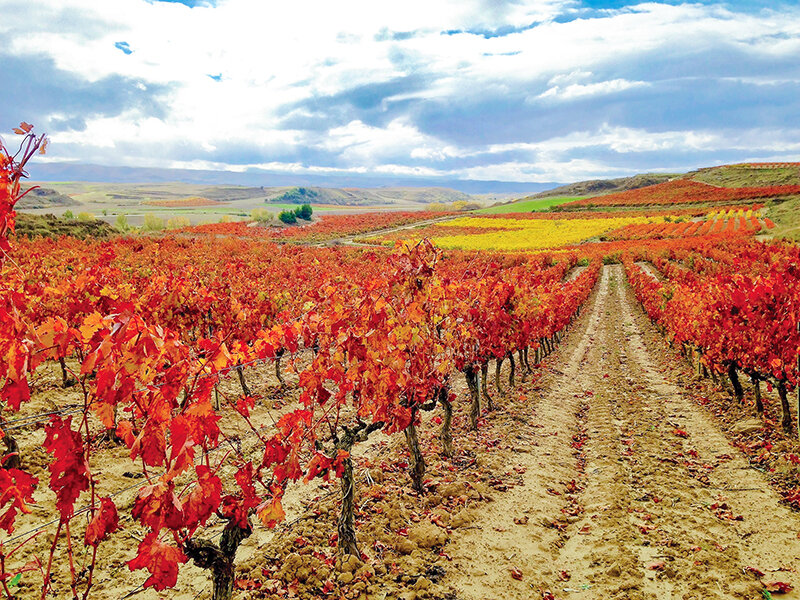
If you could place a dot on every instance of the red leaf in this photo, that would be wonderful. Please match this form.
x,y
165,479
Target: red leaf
x,y
69,469
16,488
16,392
104,522
516,574
158,506
160,559
778,587
204,498
680,433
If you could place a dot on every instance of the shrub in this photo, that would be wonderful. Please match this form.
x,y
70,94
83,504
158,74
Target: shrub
x,y
288,217
68,214
153,222
178,223
122,223
225,219
85,217
304,212
261,215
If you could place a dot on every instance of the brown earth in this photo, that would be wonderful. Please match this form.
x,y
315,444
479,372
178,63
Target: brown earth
x,y
601,478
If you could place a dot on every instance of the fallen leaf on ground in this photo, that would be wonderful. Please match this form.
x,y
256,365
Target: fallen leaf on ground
x,y
778,587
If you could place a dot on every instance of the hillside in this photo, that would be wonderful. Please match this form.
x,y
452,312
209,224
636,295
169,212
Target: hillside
x,y
127,195
44,198
367,196
33,226
595,187
684,191
749,175
731,176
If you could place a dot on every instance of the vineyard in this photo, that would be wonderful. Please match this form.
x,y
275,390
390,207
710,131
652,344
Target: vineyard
x,y
554,405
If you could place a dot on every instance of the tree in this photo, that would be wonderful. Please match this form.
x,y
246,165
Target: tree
x,y
288,217
304,212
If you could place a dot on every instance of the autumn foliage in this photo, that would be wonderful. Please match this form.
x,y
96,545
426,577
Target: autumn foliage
x,y
145,329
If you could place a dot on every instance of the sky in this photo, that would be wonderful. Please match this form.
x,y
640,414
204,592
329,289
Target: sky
x,y
522,91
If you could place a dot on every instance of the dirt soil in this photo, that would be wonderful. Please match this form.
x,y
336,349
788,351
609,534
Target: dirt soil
x,y
600,477
631,491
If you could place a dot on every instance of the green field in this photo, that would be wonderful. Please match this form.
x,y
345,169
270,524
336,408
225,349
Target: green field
x,y
527,205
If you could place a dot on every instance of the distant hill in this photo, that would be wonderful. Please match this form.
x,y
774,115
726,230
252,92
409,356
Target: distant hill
x,y
66,171
737,175
95,196
595,187
368,196
44,198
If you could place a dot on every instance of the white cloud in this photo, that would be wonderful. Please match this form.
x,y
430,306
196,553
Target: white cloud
x,y
273,57
577,90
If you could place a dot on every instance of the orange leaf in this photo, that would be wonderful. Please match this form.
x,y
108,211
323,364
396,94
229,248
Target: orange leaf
x,y
271,513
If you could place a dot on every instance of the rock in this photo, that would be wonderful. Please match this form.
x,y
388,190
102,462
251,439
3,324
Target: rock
x,y
464,517
348,564
427,535
404,545
422,584
613,571
748,426
452,490
346,577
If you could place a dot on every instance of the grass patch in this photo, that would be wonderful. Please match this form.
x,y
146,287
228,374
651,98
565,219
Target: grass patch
x,y
786,215
528,205
748,176
33,226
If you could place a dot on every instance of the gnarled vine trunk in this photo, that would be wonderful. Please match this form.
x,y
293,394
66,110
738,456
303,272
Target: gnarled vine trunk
x,y
416,460
757,392
346,526
242,382
512,370
786,415
485,386
219,559
447,435
278,372
737,386
11,459
66,380
498,364
475,405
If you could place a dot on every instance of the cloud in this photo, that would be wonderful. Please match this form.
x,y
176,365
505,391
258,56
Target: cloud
x,y
494,89
34,89
126,49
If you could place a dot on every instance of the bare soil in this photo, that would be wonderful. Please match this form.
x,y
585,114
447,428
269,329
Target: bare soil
x,y
599,478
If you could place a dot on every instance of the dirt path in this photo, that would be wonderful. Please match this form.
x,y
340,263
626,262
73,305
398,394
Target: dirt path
x,y
349,240
631,489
